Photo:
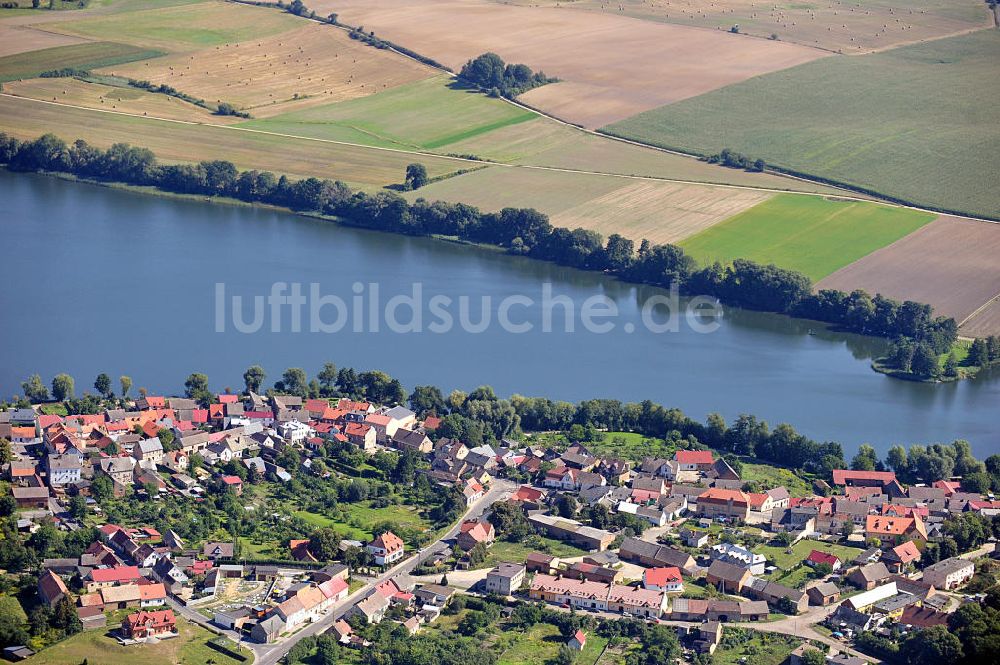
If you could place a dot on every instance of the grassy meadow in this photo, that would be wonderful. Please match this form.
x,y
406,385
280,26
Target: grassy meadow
x,y
425,115
91,55
188,648
812,235
919,122
185,27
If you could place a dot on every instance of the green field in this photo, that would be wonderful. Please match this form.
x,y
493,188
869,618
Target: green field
x,y
773,476
178,28
809,234
78,56
503,550
741,645
918,122
95,646
426,115
541,642
363,517
790,573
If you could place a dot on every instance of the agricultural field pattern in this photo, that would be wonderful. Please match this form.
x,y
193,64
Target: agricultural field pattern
x,y
876,123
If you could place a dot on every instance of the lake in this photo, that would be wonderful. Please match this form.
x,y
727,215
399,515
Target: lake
x,y
104,280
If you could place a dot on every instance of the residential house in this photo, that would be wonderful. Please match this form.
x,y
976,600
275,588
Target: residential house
x,y
651,554
916,616
896,530
694,538
851,477
474,532
505,579
119,469
361,435
573,531
371,609
216,550
666,579
63,469
949,573
387,548
434,594
727,577
739,556
901,556
727,504
869,576
406,439
776,594
268,629
51,588
823,594
149,452
694,460
538,562
817,558
143,624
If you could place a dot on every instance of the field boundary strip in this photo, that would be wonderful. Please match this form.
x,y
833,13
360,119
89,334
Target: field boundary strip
x,y
480,162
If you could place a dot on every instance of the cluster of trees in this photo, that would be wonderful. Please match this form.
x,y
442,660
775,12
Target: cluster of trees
x,y
984,352
490,73
939,461
520,230
736,160
971,637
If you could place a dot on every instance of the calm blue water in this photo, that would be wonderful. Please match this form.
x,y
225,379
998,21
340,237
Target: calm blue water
x,y
100,280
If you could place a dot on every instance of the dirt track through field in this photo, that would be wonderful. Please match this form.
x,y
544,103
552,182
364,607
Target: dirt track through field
x,y
951,264
611,67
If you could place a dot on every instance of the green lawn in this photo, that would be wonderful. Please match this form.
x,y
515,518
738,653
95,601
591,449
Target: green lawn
x,y
363,517
189,648
503,550
428,114
773,476
918,122
541,643
740,645
77,56
794,577
812,235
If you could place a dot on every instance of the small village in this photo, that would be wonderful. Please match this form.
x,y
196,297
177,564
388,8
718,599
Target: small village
x,y
678,542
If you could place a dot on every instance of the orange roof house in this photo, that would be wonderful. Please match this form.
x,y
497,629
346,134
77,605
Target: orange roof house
x,y
896,529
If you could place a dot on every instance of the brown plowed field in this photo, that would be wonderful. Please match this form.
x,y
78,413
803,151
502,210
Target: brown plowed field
x,y
22,38
611,67
314,64
952,264
984,323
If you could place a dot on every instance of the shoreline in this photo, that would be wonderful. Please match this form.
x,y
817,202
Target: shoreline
x,y
875,365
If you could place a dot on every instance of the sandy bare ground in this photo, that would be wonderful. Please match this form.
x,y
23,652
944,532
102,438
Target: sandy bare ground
x,y
951,264
314,64
16,38
660,212
612,67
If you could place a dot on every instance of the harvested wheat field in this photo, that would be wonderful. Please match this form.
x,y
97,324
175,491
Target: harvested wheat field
x,y
838,25
114,98
611,67
658,211
23,38
310,65
951,264
183,142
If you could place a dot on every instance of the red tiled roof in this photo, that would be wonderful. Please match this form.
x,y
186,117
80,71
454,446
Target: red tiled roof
x,y
232,480
388,541
842,476
818,557
228,399
116,574
662,576
694,457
